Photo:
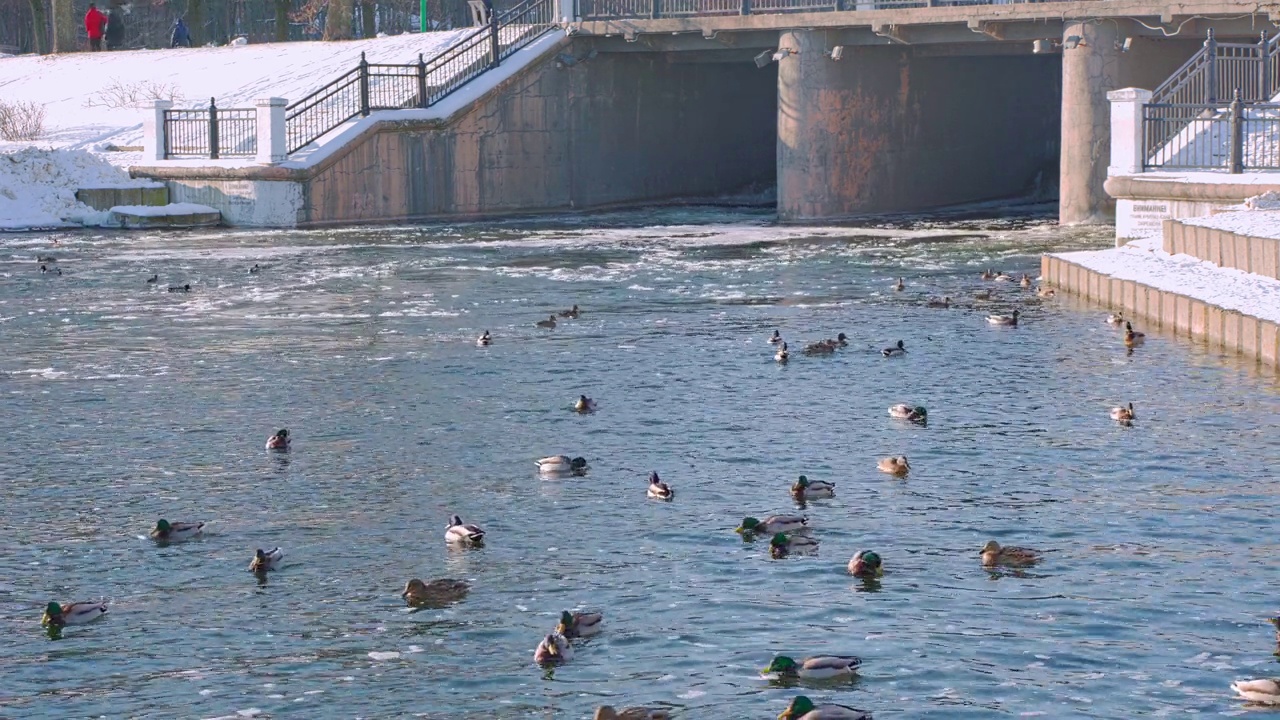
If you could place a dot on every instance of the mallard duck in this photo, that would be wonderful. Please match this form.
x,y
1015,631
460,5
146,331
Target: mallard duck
x,y
841,340
822,347
806,489
550,322
254,270
899,286
894,465
56,615
802,708
1025,281
772,524
782,355
169,532
1123,414
1132,338
438,592
908,412
944,302
894,351
584,404
279,441
572,312
1045,292
1003,277
180,288
866,564
993,554
460,534
982,295
484,340
1116,318
820,667
1265,691
1010,320
659,489
607,712
775,338
988,274
153,279
579,624
782,545
560,464
553,649
264,561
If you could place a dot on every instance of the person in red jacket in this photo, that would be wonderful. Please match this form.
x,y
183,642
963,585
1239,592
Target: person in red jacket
x,y
95,23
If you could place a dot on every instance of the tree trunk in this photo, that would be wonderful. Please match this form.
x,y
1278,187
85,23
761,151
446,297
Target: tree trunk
x,y
65,27
39,27
195,22
337,20
282,20
368,19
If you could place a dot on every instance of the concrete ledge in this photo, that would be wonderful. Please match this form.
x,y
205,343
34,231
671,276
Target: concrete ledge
x,y
105,198
177,216
1224,248
1255,339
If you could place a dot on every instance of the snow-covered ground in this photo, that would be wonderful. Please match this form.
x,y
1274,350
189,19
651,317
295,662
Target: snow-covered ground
x,y
1258,217
38,187
1144,262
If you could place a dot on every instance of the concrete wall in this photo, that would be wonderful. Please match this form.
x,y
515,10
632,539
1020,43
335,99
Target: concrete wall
x,y
1256,255
619,127
888,128
1145,201
1255,339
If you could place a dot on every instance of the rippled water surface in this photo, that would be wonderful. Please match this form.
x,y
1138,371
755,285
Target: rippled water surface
x,y
123,403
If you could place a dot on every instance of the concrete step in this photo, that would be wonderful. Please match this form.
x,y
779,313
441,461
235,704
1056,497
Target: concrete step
x,y
173,215
107,197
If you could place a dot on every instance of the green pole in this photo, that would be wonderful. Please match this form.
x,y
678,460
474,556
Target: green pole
x,y
423,23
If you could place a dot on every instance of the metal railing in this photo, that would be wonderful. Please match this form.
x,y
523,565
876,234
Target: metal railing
x,y
1235,137
1249,67
653,9
210,132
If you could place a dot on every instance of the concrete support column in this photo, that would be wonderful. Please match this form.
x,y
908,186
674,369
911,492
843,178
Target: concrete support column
x,y
1091,60
1127,150
272,143
153,131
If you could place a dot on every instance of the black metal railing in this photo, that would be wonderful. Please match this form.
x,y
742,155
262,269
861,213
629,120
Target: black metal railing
x,y
1235,137
640,9
210,132
1216,67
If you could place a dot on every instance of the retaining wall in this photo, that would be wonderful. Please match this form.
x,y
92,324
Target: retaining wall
x,y
1260,256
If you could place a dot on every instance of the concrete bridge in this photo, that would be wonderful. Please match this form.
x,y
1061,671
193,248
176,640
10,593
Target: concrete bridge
x,y
849,106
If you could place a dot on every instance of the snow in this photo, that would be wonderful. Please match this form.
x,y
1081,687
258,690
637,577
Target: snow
x,y
1143,261
38,187
1258,216
163,210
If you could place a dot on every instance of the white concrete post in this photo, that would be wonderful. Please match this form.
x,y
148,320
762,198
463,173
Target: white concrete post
x,y
1126,130
272,147
566,11
153,131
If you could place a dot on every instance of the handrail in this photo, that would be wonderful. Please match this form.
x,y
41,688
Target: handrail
x,y
1249,67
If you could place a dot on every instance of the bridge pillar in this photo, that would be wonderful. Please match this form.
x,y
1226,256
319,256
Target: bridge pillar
x,y
1091,67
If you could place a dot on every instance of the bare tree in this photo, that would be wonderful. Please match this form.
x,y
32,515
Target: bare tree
x,y
337,20
40,25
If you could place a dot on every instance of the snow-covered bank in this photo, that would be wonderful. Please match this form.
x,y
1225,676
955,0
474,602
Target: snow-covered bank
x,y
1143,261
1258,217
38,187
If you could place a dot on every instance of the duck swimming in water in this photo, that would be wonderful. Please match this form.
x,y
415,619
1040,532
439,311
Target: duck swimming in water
x,y
776,338
553,650
559,464
806,489
153,279
1122,414
866,564
895,351
550,322
899,286
1007,320
819,667
1025,281
572,312
988,274
993,554
781,545
57,615
254,270
908,412
166,531
180,288
584,404
436,593
264,561
1045,292
822,347
894,465
279,441
608,712
484,340
658,489
802,708
1115,318
782,355
459,533
1131,337
1265,691
944,302
772,524
574,625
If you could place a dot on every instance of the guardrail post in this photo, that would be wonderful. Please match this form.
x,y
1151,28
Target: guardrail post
x,y
1235,157
1264,75
364,86
155,140
1128,144
495,47
213,130
746,7
423,100
272,146
1211,75
655,10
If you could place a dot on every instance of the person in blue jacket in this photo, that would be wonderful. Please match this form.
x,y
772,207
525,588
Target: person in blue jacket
x,y
181,36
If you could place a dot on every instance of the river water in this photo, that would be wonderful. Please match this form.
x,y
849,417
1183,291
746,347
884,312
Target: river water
x,y
123,403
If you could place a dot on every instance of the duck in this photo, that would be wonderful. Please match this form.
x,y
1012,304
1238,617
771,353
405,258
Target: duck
x,y
772,524
806,489
484,340
894,465
782,545
1123,414
608,712
438,592
822,347
1003,277
819,667
782,355
1025,281
254,270
659,489
458,533
574,625
584,404
572,312
1275,622
988,274
775,338
982,295
550,322
1045,292
279,441
899,286
866,564
57,615
895,351
180,288
802,708
943,302
903,411
1116,318
553,649
1009,320
153,279
558,464
1264,691
1132,338
841,340
44,269
993,554
166,531
264,561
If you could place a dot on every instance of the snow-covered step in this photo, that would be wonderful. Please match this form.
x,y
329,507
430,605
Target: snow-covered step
x,y
173,215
